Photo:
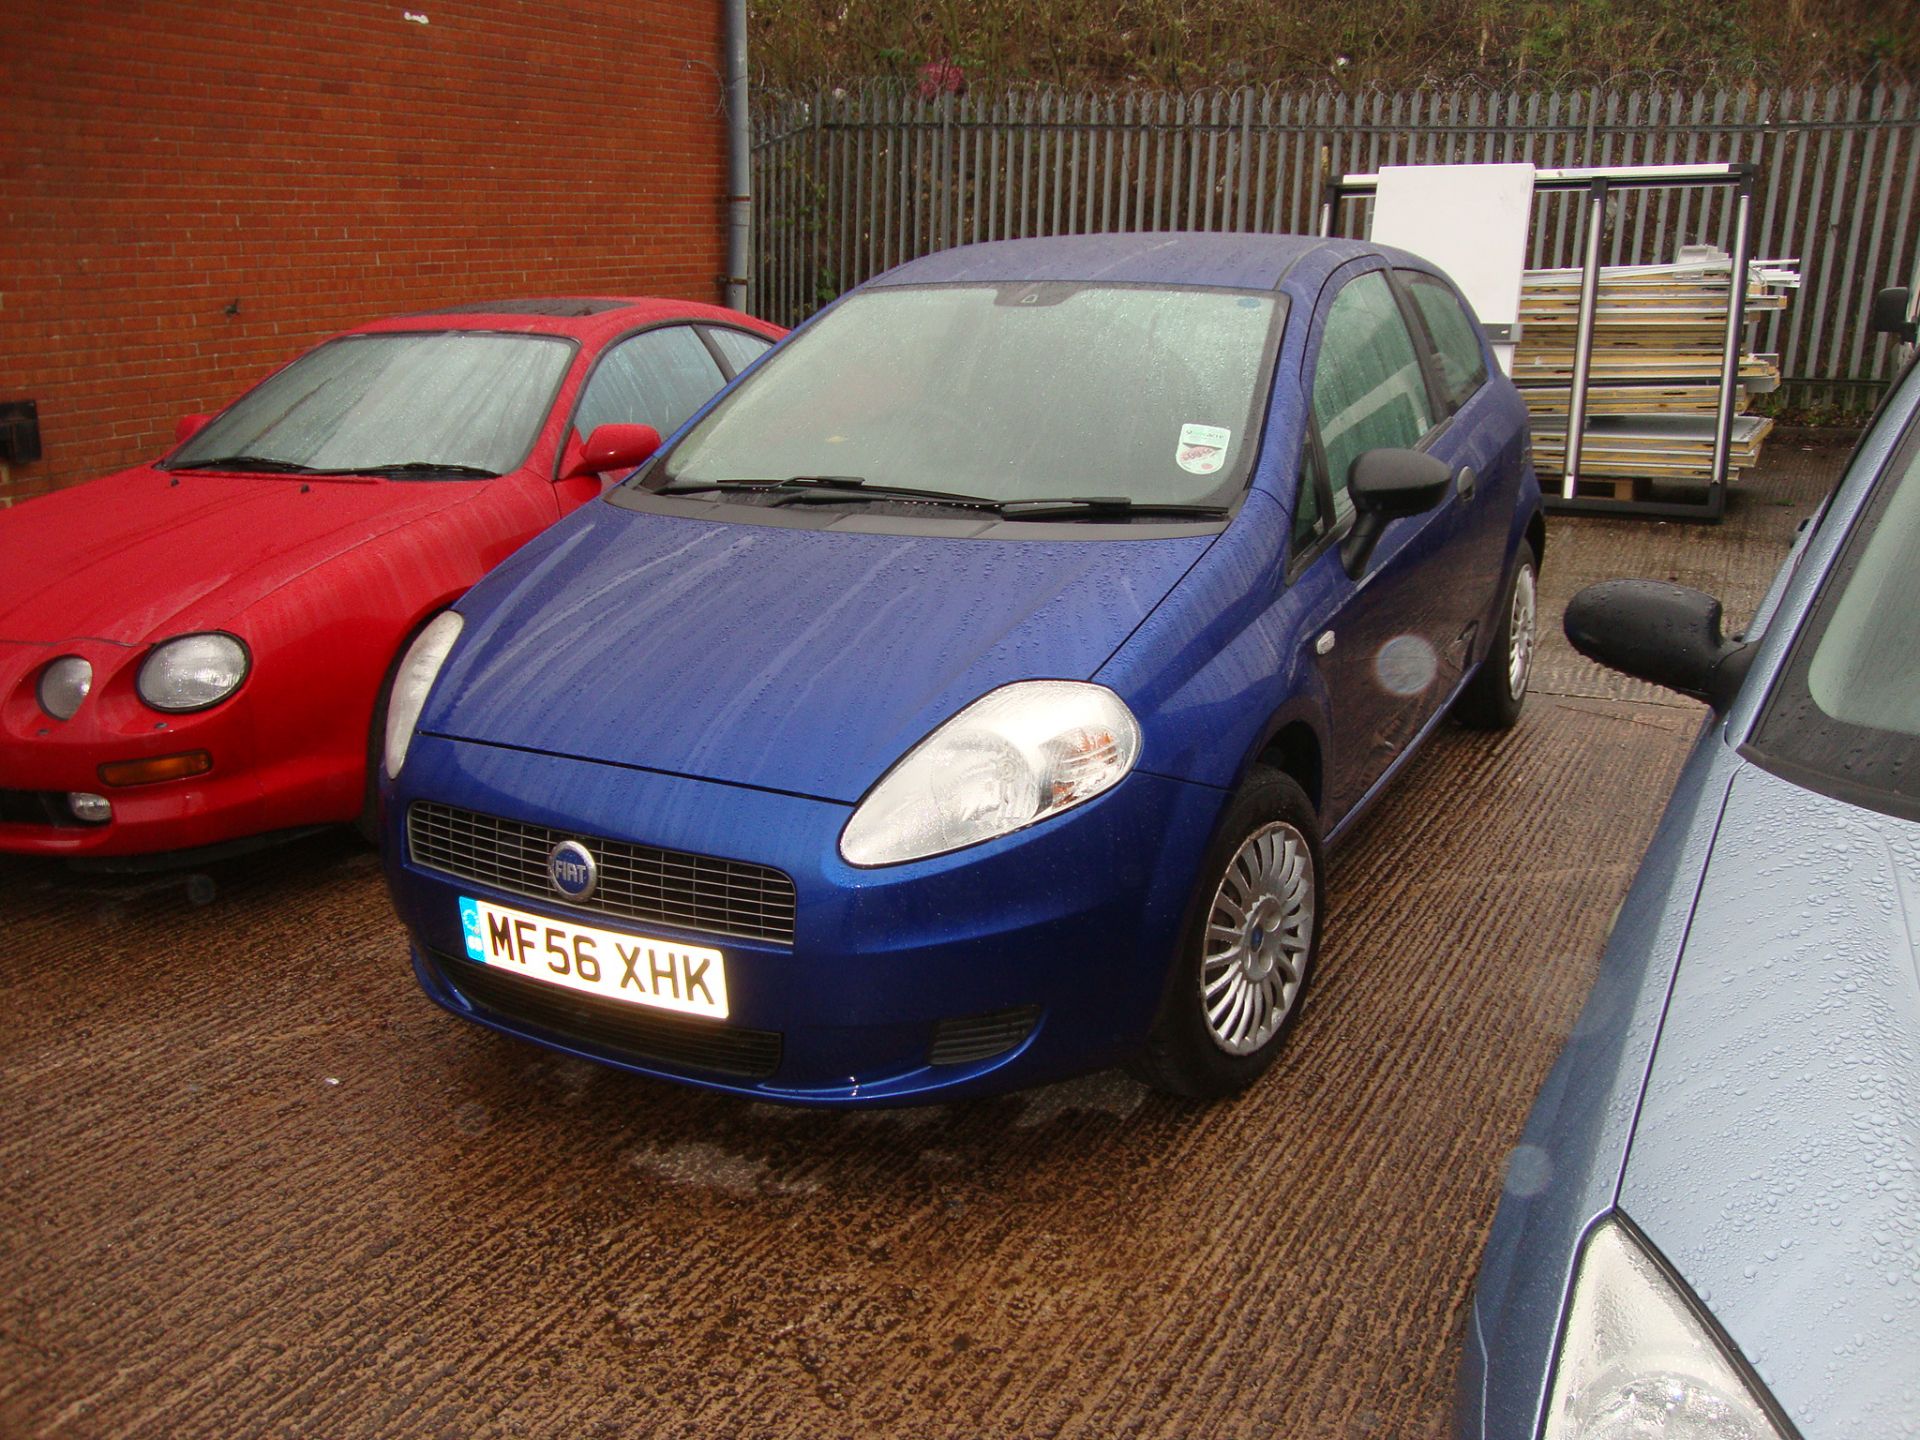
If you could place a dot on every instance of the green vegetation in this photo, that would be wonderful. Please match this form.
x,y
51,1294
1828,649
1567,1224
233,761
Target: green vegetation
x,y
1192,44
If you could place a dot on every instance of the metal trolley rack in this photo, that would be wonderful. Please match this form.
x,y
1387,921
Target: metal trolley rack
x,y
1599,183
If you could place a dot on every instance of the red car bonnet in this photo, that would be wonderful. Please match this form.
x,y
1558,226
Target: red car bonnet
x,y
145,554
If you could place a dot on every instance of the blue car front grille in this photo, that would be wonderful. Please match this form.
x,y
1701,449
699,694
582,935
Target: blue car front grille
x,y
623,1031
981,1037
636,882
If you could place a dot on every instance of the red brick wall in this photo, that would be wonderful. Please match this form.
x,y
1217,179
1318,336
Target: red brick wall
x,y
192,192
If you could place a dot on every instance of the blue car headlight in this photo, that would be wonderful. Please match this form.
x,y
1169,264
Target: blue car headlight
x,y
1638,1359
1014,757
413,680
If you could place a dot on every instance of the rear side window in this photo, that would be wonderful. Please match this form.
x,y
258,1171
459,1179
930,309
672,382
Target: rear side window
x,y
1368,388
1462,370
658,378
739,348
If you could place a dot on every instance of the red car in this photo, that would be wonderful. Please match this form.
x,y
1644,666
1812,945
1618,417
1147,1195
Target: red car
x,y
197,651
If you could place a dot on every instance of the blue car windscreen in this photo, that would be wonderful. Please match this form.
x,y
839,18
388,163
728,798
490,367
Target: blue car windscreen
x,y
1008,392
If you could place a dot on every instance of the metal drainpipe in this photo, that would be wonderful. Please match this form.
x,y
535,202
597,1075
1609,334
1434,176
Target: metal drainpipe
x,y
739,156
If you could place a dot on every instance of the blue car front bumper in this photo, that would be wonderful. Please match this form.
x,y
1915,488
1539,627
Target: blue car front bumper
x,y
1028,958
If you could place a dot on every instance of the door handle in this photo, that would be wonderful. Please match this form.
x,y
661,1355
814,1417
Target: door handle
x,y
1463,483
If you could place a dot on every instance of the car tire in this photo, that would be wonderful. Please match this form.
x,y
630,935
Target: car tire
x,y
367,823
1492,699
1248,947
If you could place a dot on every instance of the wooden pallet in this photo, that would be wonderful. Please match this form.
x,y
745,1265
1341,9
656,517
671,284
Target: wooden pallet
x,y
1654,372
1602,487
1551,403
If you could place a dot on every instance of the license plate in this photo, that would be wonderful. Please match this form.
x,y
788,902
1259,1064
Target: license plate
x,y
663,974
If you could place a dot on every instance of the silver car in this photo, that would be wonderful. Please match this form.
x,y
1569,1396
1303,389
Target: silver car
x,y
1712,1227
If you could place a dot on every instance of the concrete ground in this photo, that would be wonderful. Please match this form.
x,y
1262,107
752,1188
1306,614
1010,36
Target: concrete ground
x,y
252,1183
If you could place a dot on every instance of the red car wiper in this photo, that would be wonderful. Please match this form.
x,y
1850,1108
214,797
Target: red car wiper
x,y
415,467
259,464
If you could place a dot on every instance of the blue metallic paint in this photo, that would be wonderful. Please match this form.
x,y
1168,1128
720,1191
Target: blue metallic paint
x,y
727,695
1295,263
878,955
733,689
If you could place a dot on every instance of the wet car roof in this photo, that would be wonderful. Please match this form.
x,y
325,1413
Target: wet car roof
x,y
588,318
1240,262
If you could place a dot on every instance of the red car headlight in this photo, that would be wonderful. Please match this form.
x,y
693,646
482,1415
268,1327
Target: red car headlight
x,y
191,672
63,685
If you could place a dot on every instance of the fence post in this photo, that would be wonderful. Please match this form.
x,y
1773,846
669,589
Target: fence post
x,y
849,184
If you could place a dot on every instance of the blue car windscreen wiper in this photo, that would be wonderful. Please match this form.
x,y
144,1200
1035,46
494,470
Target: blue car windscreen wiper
x,y
1104,506
699,487
834,488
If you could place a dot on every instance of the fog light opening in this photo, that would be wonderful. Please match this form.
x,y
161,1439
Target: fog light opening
x,y
90,809
981,1037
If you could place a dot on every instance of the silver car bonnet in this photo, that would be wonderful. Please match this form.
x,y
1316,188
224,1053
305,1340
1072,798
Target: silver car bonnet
x,y
1776,1160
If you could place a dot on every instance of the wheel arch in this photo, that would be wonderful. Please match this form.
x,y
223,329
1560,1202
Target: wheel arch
x,y
1293,747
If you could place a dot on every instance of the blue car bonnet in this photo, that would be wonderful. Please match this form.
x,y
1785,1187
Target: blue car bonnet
x,y
798,660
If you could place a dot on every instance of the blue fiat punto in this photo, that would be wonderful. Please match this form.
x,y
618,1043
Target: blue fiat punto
x,y
962,700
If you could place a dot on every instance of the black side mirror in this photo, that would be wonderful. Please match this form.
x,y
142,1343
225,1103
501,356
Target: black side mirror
x,y
1386,484
1891,314
1664,633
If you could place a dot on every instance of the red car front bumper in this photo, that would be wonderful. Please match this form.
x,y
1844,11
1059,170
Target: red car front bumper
x,y
44,761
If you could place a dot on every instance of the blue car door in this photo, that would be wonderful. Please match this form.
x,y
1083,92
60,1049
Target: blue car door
x,y
1387,641
1478,440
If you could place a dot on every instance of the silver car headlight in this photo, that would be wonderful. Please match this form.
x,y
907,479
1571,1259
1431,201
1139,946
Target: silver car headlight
x,y
413,680
63,685
1638,1359
191,672
1012,758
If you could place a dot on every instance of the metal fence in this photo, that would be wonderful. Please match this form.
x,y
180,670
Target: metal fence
x,y
848,183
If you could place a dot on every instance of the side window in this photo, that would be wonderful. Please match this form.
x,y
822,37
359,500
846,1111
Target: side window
x,y
1368,389
657,378
1462,370
738,348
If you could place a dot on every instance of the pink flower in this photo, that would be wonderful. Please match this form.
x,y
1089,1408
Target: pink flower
x,y
941,77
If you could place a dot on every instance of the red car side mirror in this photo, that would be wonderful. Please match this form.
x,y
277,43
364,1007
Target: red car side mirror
x,y
613,447
188,426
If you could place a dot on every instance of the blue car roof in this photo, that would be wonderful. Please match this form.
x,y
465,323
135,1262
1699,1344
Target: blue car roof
x,y
1237,262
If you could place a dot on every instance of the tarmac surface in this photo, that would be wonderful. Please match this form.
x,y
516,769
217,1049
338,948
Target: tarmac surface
x,y
252,1183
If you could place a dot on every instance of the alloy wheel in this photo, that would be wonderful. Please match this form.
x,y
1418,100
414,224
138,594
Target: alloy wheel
x,y
1259,931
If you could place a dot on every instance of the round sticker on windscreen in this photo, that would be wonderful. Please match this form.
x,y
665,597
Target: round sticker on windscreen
x,y
1202,448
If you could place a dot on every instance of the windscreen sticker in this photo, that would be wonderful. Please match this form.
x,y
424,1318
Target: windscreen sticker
x,y
1202,449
